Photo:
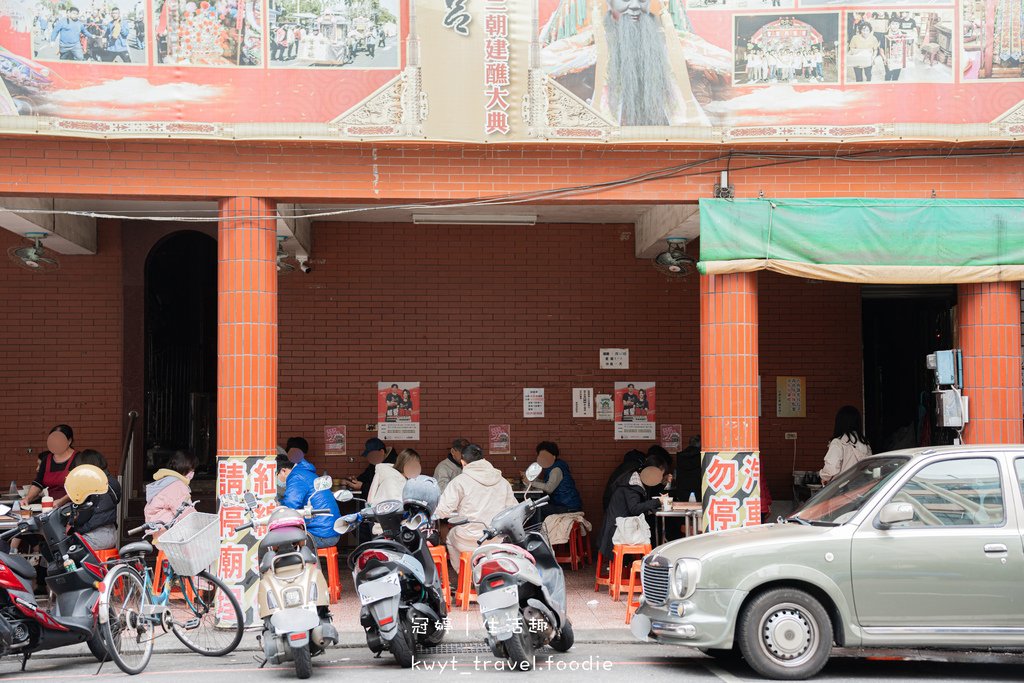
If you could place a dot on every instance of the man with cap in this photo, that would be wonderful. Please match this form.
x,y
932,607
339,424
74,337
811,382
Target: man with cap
x,y
450,467
375,451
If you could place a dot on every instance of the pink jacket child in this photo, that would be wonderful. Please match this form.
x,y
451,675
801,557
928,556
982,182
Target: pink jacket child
x,y
170,488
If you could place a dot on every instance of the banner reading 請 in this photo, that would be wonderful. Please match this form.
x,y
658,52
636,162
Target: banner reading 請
x,y
398,411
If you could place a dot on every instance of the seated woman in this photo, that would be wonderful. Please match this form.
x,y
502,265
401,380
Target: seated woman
x,y
556,481
170,490
98,524
389,480
632,498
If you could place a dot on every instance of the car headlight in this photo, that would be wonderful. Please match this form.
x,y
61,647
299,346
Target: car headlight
x,y
685,575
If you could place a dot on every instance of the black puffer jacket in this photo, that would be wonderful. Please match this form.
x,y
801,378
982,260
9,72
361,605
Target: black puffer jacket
x,y
103,512
629,499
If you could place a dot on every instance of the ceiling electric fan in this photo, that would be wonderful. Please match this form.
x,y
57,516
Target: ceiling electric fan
x,y
675,262
33,257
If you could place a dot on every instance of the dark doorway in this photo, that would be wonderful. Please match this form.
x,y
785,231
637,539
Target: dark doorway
x,y
902,325
181,351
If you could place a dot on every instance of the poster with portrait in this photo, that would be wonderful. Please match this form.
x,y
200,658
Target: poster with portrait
x,y
499,440
398,411
335,440
634,411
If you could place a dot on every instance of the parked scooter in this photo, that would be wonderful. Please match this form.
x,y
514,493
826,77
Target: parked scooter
x,y
293,598
73,575
397,582
520,586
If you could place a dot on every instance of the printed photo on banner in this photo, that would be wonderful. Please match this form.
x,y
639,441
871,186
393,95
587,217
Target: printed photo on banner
x,y
671,437
739,4
500,440
904,46
788,49
634,411
992,49
398,411
335,440
90,31
205,33
358,34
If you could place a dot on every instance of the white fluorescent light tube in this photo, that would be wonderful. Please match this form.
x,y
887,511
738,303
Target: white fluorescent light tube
x,y
473,219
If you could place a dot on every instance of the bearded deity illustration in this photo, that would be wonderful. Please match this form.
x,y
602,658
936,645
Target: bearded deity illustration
x,y
637,62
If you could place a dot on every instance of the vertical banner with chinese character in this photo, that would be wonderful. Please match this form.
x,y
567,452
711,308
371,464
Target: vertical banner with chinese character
x,y
238,565
398,411
731,493
634,411
335,440
497,68
499,440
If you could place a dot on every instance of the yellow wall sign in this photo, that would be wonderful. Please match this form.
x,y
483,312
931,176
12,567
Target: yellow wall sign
x,y
790,397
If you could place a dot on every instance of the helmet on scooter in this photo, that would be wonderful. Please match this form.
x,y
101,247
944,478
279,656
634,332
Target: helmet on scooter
x,y
84,481
285,517
422,491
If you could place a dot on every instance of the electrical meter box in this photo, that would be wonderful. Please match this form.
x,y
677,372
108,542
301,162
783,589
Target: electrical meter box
x,y
946,365
949,409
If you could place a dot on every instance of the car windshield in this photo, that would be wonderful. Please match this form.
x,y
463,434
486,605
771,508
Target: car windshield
x,y
838,502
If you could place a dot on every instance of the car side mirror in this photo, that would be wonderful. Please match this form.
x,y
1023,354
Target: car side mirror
x,y
894,513
343,496
533,471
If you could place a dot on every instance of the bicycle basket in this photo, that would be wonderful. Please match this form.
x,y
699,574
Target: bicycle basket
x,y
192,544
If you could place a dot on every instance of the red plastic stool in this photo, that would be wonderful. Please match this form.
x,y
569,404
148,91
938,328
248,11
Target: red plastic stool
x,y
465,593
572,547
600,580
616,586
330,555
106,555
634,585
158,579
440,555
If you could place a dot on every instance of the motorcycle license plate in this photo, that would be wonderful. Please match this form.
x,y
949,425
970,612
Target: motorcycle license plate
x,y
499,599
380,589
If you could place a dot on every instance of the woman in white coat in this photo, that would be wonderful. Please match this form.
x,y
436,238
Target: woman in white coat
x,y
389,480
848,445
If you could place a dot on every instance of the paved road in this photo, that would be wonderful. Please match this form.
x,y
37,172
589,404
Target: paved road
x,y
592,661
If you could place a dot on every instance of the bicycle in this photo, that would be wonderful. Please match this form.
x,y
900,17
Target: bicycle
x,y
187,603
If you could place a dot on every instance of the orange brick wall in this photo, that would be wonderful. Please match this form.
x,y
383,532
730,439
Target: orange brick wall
x,y
475,314
60,353
361,172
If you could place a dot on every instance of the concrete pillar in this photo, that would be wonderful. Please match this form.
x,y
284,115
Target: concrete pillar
x,y
246,378
729,408
989,320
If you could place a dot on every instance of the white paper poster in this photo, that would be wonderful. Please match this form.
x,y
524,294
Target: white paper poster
x,y
583,402
605,407
615,359
533,402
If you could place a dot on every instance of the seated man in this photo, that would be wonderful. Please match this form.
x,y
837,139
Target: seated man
x,y
299,491
478,494
556,481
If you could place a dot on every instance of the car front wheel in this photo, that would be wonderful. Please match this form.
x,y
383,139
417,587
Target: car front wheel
x,y
785,634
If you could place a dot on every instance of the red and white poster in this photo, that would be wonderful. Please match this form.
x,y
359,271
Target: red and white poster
x,y
499,440
672,438
634,411
398,411
335,440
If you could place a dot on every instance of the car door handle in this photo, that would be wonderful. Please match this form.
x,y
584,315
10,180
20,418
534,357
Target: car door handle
x,y
995,548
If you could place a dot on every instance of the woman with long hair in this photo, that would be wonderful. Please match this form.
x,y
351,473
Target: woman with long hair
x,y
848,445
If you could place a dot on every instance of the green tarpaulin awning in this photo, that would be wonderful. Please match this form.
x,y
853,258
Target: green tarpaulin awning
x,y
896,241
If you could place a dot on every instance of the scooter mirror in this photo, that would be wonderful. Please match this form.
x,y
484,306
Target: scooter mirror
x,y
458,521
4,510
343,496
533,471
250,499
341,527
323,483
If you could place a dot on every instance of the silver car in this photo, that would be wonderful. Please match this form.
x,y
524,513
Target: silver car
x,y
909,549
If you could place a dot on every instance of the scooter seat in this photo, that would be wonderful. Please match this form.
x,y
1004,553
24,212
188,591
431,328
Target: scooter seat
x,y
136,548
18,565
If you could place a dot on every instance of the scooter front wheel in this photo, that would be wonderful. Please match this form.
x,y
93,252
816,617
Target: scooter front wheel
x,y
127,631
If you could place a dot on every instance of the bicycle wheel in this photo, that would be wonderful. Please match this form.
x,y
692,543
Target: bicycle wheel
x,y
194,604
127,633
